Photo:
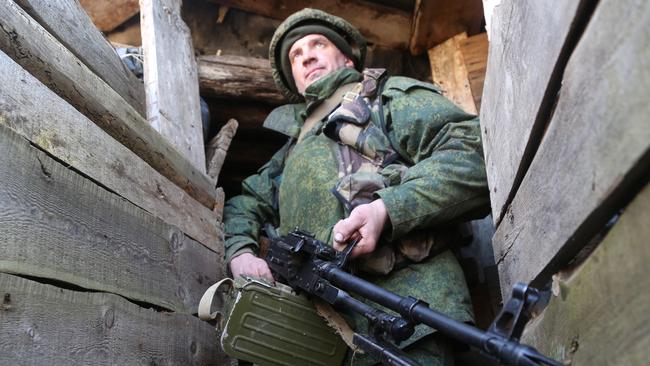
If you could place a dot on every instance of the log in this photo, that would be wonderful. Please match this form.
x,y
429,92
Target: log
x,y
435,21
599,312
58,225
47,121
47,325
31,46
170,78
595,153
381,25
449,71
524,62
109,14
68,22
238,77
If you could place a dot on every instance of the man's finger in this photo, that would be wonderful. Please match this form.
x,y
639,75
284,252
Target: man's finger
x,y
345,228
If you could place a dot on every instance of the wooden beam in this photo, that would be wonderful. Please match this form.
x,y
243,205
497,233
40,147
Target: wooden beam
x,y
109,14
31,109
435,21
527,40
68,23
47,325
238,77
595,152
449,71
381,25
170,78
58,225
31,46
599,312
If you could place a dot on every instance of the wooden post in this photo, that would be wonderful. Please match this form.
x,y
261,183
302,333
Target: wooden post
x,y
170,77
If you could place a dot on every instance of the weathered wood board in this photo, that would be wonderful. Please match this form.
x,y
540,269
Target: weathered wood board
x,y
170,78
526,40
475,54
47,325
109,14
599,315
238,77
381,25
594,153
449,71
31,46
67,21
31,109
56,224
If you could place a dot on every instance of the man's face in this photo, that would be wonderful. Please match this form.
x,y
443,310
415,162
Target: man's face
x,y
312,57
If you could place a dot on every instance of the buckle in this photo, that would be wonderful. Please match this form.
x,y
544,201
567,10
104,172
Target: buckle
x,y
350,96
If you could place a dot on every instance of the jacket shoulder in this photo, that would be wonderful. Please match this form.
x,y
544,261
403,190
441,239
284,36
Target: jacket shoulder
x,y
405,84
284,119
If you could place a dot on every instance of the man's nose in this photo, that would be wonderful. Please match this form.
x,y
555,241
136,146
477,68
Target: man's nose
x,y
309,57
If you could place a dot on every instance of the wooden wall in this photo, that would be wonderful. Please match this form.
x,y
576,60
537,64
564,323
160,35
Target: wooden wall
x,y
108,235
567,144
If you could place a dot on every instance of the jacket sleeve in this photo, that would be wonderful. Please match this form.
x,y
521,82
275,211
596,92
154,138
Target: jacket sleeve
x,y
244,215
447,179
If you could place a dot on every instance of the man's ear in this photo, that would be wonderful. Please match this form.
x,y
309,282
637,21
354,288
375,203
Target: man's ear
x,y
349,63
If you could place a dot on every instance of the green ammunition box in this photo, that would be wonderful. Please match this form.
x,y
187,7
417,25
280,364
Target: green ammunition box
x,y
271,325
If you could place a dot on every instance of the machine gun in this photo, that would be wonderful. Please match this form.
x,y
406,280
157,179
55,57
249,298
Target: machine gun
x,y
309,265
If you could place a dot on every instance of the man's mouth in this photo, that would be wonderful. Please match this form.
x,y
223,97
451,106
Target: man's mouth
x,y
311,72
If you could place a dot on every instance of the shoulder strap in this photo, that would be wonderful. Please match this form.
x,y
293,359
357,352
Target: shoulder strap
x,y
381,82
325,108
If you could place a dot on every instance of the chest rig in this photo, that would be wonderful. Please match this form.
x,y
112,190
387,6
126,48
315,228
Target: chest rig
x,y
355,120
358,122
367,162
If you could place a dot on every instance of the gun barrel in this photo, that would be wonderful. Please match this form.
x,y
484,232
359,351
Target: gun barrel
x,y
409,308
416,311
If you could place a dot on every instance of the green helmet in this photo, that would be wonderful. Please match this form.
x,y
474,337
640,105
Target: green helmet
x,y
312,17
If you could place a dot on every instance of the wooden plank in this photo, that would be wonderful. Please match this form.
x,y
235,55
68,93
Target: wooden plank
x,y
68,22
47,325
599,314
594,154
218,147
238,77
435,21
475,53
449,71
170,78
381,25
58,225
31,109
526,41
31,46
109,14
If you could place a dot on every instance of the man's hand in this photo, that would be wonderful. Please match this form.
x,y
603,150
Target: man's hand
x,y
366,222
251,265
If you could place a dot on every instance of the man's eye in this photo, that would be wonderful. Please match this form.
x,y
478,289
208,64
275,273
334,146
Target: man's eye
x,y
320,45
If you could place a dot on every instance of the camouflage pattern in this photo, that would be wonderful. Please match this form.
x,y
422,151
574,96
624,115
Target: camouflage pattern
x,y
441,180
311,16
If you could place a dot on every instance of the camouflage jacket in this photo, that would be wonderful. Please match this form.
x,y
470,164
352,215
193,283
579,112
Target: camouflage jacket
x,y
443,180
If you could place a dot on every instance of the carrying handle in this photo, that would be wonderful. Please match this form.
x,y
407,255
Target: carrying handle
x,y
206,300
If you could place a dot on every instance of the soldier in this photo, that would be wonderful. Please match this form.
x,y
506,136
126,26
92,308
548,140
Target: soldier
x,y
385,160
